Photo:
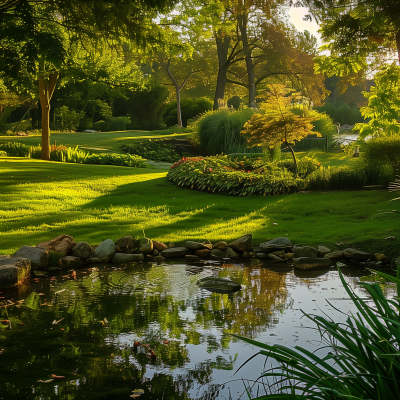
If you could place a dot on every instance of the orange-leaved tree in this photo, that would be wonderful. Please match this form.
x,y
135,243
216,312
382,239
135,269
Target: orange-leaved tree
x,y
276,123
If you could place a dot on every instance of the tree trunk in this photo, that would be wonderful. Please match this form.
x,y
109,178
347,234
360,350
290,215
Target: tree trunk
x,y
294,158
251,76
46,90
178,106
398,44
223,41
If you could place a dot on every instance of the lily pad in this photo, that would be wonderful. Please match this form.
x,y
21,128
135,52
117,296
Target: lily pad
x,y
219,285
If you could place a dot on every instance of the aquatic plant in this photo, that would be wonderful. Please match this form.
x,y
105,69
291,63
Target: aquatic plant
x,y
364,361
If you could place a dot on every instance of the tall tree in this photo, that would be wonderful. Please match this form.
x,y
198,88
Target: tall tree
x,y
34,37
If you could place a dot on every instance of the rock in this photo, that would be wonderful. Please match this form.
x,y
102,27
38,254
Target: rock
x,y
274,258
280,243
256,249
192,256
89,131
305,251
38,257
311,263
71,262
194,245
105,250
371,264
242,244
218,253
262,256
220,246
82,250
219,285
380,257
175,252
4,256
334,254
159,246
279,253
125,243
118,249
122,258
155,252
231,253
13,271
171,245
94,260
322,250
288,256
202,253
357,254
146,246
60,244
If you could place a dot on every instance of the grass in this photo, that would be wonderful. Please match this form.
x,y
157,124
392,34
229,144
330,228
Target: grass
x,y
41,200
327,159
95,142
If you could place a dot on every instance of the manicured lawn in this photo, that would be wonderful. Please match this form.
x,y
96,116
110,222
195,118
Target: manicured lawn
x,y
96,142
40,200
327,159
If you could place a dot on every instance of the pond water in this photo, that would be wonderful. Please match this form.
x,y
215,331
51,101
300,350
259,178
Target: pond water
x,y
83,328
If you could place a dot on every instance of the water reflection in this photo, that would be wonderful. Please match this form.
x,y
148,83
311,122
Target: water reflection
x,y
59,329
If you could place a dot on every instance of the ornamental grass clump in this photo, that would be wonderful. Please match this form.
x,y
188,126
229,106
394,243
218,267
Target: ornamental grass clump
x,y
363,361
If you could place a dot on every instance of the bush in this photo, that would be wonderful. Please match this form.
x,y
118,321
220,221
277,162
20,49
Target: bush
x,y
3,153
238,177
343,114
383,151
15,149
190,108
234,102
125,160
66,119
154,149
113,124
219,131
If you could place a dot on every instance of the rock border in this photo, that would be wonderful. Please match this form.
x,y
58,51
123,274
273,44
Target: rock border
x,y
63,252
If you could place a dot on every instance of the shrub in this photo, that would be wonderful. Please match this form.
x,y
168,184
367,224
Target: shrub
x,y
383,151
125,160
234,102
15,149
3,153
305,165
233,177
364,359
343,114
113,124
66,119
219,131
154,149
190,108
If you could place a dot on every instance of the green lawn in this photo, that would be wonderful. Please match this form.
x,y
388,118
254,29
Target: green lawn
x,y
40,200
95,142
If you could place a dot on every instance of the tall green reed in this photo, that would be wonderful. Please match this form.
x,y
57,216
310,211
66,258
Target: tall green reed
x,y
364,358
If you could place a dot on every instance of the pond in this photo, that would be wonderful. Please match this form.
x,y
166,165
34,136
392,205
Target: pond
x,y
82,329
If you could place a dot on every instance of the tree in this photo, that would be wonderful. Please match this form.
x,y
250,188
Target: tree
x,y
278,123
383,108
35,35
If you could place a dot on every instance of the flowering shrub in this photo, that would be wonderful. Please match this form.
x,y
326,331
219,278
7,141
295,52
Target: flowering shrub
x,y
234,177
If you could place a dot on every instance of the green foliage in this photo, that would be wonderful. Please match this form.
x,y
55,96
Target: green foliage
x,y
190,108
383,107
342,114
125,160
305,165
3,153
364,359
235,102
112,124
54,258
146,106
67,119
381,151
240,177
322,123
15,149
60,153
156,150
219,131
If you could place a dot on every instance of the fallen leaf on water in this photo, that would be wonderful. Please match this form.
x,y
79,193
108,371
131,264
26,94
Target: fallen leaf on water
x,y
73,273
41,294
57,376
53,278
46,381
55,322
166,341
134,395
138,391
59,291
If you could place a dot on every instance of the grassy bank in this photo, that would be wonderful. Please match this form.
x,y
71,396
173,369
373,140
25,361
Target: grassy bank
x,y
95,142
41,200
